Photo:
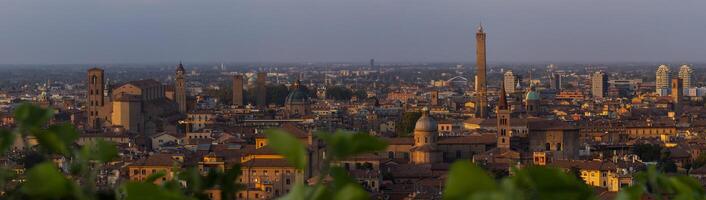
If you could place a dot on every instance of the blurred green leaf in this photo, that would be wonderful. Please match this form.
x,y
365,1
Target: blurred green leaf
x,y
343,144
351,192
228,182
7,139
103,151
686,188
465,180
31,116
44,181
149,191
340,178
551,183
66,132
630,193
287,145
298,192
57,138
153,177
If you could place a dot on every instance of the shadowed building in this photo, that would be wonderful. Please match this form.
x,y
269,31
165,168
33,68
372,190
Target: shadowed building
x,y
137,106
238,90
260,89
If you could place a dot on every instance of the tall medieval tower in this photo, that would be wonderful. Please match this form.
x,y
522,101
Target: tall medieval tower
x,y
504,114
180,88
95,103
481,90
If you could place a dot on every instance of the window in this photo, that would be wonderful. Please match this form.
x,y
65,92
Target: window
x,y
458,153
144,172
547,146
390,155
558,146
287,181
136,172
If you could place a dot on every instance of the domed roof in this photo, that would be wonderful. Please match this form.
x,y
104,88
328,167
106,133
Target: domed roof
x,y
298,95
426,123
532,95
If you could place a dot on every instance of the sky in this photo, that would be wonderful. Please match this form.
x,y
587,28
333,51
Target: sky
x,y
142,31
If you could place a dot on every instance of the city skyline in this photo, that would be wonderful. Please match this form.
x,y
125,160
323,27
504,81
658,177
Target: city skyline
x,y
313,31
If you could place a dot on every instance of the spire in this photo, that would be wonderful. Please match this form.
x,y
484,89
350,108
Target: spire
x,y
180,68
502,101
480,27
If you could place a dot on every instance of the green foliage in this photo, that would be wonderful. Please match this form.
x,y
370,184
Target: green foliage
x,y
339,145
528,183
458,185
45,181
343,144
406,124
287,145
651,184
31,117
699,161
339,93
7,138
647,152
465,180
277,94
360,94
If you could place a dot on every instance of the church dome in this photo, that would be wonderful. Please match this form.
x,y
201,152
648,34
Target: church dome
x,y
532,95
298,95
426,123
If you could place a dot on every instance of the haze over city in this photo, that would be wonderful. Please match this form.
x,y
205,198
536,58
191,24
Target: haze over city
x,y
352,99
147,31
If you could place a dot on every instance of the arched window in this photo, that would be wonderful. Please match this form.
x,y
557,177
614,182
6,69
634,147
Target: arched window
x,y
94,79
558,146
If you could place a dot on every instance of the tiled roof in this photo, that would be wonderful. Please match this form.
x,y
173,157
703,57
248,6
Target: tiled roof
x,y
471,139
585,164
266,162
164,160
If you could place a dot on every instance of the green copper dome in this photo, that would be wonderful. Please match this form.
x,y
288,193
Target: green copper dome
x,y
532,95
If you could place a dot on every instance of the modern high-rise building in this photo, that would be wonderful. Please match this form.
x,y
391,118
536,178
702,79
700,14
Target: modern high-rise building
x,y
685,73
555,81
238,90
662,80
95,100
481,90
260,89
599,84
511,82
180,88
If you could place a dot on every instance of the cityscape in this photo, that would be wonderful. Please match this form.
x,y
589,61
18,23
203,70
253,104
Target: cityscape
x,y
602,124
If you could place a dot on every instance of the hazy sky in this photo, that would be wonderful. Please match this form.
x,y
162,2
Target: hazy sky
x,y
106,31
